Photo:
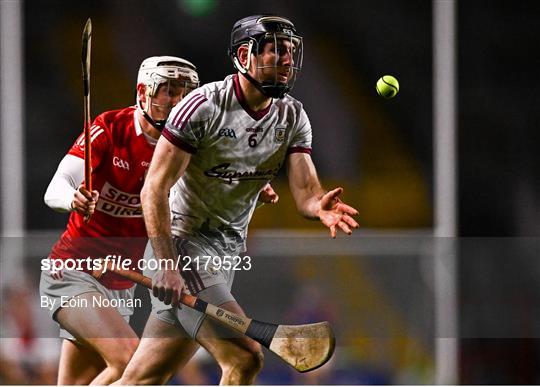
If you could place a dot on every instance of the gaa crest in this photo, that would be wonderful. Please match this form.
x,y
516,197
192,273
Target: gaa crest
x,y
280,135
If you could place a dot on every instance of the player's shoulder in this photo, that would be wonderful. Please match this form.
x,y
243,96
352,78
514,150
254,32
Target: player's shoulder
x,y
292,108
114,118
214,92
201,102
291,102
117,125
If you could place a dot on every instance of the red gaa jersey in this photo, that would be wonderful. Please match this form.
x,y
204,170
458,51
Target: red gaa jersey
x,y
121,155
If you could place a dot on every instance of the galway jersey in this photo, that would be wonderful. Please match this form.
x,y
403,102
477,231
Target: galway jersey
x,y
234,152
121,155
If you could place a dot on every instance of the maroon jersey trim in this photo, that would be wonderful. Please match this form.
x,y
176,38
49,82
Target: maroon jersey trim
x,y
187,110
178,142
242,101
299,149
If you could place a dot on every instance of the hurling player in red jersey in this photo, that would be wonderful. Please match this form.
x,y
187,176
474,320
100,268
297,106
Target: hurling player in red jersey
x,y
98,341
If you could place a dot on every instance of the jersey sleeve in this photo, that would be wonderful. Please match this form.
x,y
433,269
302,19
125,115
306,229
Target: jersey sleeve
x,y
68,177
185,127
100,140
301,141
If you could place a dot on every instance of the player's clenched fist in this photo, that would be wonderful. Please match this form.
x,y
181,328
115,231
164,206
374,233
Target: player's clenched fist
x,y
167,286
268,195
84,201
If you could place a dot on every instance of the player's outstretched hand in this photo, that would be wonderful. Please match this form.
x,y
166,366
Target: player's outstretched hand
x,y
84,201
333,213
268,195
167,286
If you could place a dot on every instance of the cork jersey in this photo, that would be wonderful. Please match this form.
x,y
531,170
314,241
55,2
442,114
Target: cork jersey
x,y
235,152
121,155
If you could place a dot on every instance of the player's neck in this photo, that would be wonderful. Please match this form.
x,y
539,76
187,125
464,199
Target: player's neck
x,y
147,127
253,97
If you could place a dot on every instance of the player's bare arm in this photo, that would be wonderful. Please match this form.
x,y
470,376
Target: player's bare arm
x,y
168,165
312,201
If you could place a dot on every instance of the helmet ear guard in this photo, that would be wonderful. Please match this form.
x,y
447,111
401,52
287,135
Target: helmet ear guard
x,y
236,61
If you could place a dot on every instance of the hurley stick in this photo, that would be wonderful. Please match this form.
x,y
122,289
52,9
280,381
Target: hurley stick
x,y
304,347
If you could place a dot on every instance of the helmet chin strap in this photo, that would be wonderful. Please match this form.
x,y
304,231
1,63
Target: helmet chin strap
x,y
270,90
158,124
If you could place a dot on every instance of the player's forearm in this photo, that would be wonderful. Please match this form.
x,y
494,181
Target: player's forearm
x,y
304,184
68,177
59,195
168,165
308,202
307,193
157,220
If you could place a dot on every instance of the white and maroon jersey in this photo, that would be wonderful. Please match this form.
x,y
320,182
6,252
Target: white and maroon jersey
x,y
121,155
235,152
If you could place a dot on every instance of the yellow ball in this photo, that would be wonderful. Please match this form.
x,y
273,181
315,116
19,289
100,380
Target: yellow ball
x,y
387,86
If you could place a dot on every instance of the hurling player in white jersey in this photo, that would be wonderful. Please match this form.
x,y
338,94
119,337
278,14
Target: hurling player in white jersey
x,y
221,145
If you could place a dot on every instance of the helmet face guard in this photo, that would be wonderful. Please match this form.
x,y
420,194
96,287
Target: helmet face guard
x,y
177,75
269,35
173,77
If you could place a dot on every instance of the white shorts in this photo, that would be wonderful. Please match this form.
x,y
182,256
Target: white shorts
x,y
210,285
74,283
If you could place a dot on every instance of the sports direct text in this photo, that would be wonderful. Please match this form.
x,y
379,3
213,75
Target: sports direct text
x,y
114,262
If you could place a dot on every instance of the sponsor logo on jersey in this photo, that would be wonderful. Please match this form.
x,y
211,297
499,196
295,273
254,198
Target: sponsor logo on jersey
x,y
222,171
280,135
254,130
145,164
117,203
118,162
227,132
